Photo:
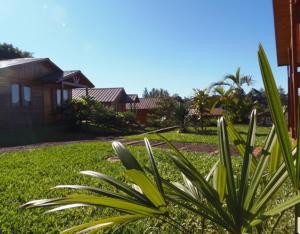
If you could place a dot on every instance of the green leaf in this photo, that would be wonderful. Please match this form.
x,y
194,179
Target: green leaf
x,y
225,159
119,204
96,190
126,157
258,173
283,206
219,181
275,106
103,223
247,159
212,170
236,139
119,185
154,168
148,188
275,157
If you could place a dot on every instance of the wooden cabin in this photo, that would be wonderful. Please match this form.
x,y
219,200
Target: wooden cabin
x,y
144,107
114,98
287,30
31,88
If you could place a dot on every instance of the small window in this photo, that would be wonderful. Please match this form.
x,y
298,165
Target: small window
x,y
15,95
65,95
26,95
58,97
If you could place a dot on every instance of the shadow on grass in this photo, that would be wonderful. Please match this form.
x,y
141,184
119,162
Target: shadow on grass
x,y
55,133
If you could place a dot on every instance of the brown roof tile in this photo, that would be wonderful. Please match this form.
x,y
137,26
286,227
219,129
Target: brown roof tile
x,y
146,104
106,95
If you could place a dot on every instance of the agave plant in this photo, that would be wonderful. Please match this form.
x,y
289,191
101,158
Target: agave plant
x,y
234,201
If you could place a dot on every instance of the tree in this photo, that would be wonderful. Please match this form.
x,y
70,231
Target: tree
x,y
202,103
181,113
155,93
234,100
283,96
235,81
8,51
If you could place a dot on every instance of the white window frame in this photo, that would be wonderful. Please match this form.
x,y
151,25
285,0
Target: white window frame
x,y
58,97
15,94
26,88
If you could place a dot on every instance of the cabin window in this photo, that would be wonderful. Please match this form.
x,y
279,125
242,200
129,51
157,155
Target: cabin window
x,y
26,95
15,94
58,97
65,95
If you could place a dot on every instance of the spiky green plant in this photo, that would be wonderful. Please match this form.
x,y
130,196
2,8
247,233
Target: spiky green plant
x,y
237,202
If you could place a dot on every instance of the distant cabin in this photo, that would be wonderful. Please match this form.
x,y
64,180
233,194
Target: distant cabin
x,y
144,107
31,88
114,98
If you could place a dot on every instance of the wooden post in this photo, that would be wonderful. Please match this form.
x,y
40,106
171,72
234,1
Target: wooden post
x,y
87,92
294,82
62,93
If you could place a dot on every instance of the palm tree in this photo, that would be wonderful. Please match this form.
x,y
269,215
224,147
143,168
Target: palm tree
x,y
234,99
235,81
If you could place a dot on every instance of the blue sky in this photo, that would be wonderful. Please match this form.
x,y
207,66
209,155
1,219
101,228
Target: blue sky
x,y
172,44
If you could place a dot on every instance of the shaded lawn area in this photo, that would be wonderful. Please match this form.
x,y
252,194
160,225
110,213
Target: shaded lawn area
x,y
208,136
53,133
30,174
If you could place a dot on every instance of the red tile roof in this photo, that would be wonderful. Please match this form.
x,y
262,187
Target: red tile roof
x,y
106,95
146,104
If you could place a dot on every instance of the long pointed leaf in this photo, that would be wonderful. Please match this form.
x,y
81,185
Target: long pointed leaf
x,y
154,168
276,112
247,159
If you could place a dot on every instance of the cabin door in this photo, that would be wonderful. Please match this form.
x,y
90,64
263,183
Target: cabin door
x,y
47,105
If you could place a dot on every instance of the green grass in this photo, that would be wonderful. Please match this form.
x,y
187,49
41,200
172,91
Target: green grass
x,y
209,136
30,174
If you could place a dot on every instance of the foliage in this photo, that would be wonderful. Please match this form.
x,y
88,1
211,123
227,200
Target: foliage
x,y
202,104
89,111
8,51
29,174
164,114
233,204
234,100
285,147
155,93
181,114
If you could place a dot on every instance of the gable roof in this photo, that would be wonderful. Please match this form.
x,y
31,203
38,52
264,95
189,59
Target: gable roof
x,y
64,75
146,104
134,98
106,95
57,75
21,61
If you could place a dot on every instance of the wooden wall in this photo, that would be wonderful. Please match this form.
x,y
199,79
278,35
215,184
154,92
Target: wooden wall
x,y
12,117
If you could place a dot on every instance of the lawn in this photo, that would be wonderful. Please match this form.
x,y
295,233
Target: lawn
x,y
29,175
208,136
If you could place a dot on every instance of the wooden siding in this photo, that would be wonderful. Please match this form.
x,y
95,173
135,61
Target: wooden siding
x,y
12,117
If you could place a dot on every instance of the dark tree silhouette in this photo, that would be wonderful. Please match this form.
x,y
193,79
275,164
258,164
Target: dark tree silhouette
x,y
8,51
